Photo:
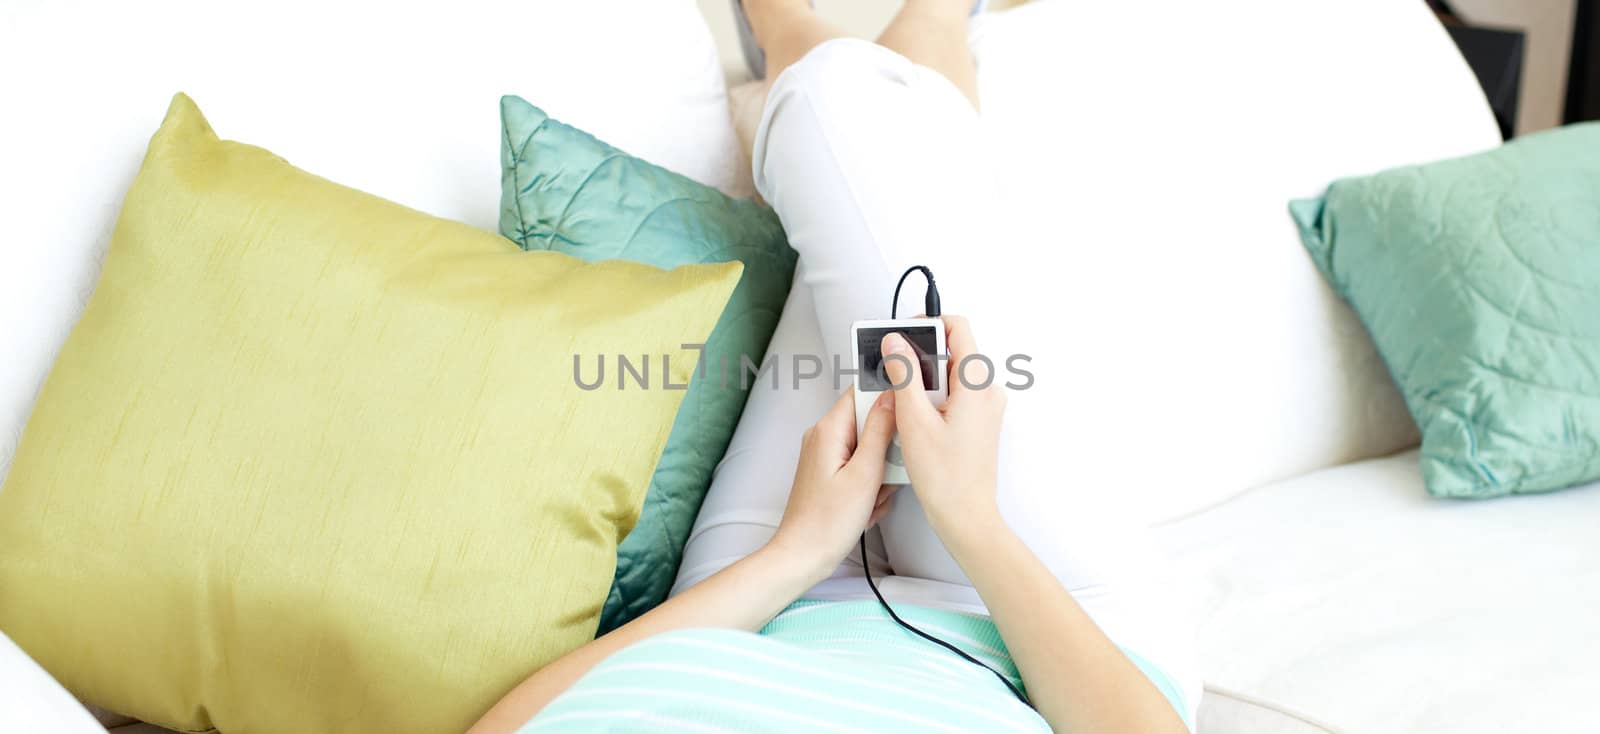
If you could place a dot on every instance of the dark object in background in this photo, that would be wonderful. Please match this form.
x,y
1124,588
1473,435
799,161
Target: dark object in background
x,y
1583,77
1443,9
1496,56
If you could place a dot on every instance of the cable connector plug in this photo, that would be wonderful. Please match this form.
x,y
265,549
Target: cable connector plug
x,y
930,299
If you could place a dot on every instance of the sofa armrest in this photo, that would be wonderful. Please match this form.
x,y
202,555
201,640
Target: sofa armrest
x,y
34,701
1228,712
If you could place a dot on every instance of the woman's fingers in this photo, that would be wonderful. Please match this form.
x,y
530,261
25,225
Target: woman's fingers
x,y
873,444
838,426
958,335
971,373
963,345
901,363
882,508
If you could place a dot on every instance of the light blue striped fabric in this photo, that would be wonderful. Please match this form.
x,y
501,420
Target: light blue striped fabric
x,y
817,667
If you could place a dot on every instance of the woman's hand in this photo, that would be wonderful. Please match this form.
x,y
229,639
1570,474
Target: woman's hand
x,y
838,487
951,453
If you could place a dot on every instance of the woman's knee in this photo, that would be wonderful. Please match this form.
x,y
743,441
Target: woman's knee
x,y
845,65
844,92
849,82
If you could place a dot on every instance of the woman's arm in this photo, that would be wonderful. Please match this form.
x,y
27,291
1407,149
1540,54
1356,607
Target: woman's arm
x,y
1079,680
742,596
836,495
1075,675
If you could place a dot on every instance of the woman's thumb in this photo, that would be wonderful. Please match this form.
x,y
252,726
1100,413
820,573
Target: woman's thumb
x,y
902,364
873,443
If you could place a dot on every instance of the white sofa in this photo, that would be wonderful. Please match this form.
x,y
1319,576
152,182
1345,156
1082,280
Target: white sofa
x,y
1146,152
1153,147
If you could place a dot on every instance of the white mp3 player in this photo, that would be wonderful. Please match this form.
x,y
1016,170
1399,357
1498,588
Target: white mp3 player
x,y
926,336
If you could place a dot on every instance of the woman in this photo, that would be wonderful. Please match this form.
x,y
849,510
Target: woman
x,y
869,154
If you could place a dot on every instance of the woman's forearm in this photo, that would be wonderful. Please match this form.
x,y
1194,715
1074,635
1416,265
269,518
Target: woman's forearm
x,y
745,595
1077,678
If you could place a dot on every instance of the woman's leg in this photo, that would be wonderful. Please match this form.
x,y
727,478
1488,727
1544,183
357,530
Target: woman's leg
x,y
787,30
933,33
872,162
816,196
751,484
875,162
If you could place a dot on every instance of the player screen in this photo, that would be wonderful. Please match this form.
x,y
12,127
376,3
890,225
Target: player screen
x,y
869,345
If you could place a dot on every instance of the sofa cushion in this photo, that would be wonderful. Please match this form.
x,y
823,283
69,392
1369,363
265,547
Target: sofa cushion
x,y
315,462
33,701
1228,712
1351,596
1479,279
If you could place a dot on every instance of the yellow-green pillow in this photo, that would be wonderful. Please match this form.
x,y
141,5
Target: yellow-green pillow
x,y
315,462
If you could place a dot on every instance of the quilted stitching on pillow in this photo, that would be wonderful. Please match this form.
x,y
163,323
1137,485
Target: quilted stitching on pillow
x,y
1479,279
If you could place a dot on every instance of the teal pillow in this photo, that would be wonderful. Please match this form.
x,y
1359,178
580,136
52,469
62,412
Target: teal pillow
x,y
1479,280
565,191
